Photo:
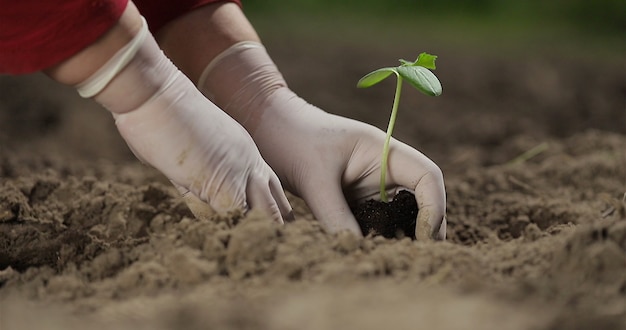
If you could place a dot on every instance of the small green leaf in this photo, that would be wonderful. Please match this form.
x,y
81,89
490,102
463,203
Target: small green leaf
x,y
375,77
421,78
426,60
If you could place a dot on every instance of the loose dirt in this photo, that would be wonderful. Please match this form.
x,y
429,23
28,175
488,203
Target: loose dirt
x,y
90,238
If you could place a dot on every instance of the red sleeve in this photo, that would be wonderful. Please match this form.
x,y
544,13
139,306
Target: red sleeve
x,y
35,34
159,13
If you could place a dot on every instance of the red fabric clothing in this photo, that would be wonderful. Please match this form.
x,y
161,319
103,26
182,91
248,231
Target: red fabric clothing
x,y
36,34
159,13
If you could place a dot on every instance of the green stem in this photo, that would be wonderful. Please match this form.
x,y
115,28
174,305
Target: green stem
x,y
385,157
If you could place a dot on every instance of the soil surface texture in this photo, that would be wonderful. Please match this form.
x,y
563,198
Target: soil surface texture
x,y
91,238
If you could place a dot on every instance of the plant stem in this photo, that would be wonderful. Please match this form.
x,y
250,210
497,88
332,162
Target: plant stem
x,y
385,156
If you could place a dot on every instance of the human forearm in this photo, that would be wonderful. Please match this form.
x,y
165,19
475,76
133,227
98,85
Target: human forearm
x,y
85,63
193,40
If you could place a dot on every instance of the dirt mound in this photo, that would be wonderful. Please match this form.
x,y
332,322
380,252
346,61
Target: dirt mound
x,y
518,236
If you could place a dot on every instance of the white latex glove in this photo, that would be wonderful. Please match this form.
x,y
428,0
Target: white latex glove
x,y
328,160
170,125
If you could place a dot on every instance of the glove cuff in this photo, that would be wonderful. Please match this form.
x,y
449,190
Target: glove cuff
x,y
241,80
230,51
101,78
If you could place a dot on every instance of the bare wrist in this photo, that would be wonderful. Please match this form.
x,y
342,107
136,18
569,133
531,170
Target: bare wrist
x,y
86,62
194,39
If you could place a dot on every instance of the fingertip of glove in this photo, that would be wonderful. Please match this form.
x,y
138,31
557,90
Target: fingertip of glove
x,y
290,216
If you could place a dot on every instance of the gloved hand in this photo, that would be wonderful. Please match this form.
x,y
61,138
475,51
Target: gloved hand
x,y
328,160
170,125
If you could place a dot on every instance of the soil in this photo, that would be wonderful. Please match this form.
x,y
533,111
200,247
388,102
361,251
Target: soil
x,y
90,238
395,219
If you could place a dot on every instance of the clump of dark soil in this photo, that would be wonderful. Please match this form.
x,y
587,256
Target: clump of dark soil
x,y
395,219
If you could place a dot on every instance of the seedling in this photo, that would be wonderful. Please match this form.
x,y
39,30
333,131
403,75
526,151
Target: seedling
x,y
418,74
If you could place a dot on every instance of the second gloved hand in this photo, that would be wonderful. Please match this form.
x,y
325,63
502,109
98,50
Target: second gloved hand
x,y
328,160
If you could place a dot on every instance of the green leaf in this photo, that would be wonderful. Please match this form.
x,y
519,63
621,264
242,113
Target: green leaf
x,y
375,77
421,78
426,60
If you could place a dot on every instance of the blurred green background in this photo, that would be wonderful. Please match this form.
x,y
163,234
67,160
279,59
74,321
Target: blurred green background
x,y
597,24
599,16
